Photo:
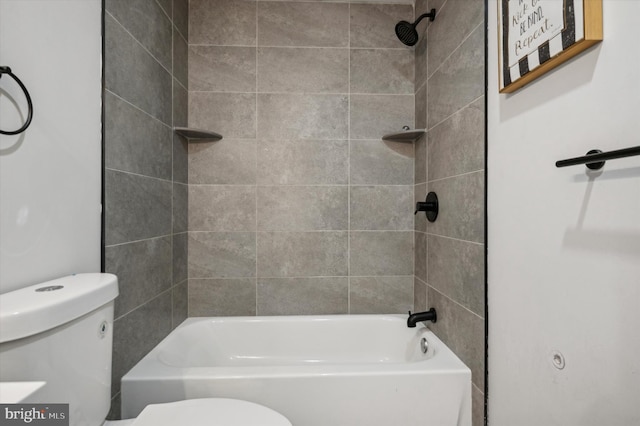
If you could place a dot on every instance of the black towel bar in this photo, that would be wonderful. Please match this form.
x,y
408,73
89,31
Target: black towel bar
x,y
595,158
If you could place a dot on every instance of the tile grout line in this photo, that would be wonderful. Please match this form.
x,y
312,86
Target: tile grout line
x,y
142,45
456,176
146,302
456,302
140,240
429,75
349,162
138,108
256,155
188,150
144,176
454,113
300,93
173,121
301,277
249,46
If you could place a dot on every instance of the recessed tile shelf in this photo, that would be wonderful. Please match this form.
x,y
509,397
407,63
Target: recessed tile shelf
x,y
197,135
404,136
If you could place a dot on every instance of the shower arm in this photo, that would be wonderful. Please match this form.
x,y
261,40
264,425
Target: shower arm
x,y
431,15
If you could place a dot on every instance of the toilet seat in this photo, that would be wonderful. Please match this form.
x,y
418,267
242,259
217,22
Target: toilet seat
x,y
210,412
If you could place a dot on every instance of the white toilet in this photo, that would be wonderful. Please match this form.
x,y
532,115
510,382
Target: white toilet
x,y
60,332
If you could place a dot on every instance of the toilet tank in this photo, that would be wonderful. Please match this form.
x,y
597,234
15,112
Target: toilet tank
x,y
61,332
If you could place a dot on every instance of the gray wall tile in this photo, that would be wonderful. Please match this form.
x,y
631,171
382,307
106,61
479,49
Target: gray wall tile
x,y
461,204
222,68
134,141
222,254
231,114
459,81
137,207
373,116
222,208
180,58
300,254
455,152
136,333
462,331
180,257
421,59
302,116
456,145
420,220
180,304
303,208
303,70
381,295
376,162
303,24
181,17
456,269
143,269
373,25
381,253
381,207
477,406
148,23
420,257
180,208
421,159
454,23
222,297
125,57
180,159
114,410
167,7
228,161
302,162
291,139
141,61
303,296
382,71
222,22
421,106
180,105
419,295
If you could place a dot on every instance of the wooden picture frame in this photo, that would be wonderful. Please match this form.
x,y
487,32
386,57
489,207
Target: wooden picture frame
x,y
535,36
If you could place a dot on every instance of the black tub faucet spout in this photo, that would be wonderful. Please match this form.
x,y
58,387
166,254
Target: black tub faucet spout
x,y
429,315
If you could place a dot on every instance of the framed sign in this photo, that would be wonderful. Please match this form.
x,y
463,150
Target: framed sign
x,y
536,36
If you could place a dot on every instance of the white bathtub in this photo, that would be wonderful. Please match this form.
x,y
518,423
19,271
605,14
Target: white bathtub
x,y
336,370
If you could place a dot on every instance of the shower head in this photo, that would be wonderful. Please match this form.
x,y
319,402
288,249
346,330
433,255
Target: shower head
x,y
407,33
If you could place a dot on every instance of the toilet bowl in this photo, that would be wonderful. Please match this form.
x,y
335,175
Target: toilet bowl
x,y
60,332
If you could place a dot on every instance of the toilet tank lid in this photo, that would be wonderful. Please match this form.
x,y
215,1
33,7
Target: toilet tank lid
x,y
41,307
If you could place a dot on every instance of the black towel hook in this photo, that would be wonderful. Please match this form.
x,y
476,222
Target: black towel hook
x,y
7,70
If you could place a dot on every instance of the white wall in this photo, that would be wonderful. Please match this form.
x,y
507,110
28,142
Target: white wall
x,y
50,177
564,246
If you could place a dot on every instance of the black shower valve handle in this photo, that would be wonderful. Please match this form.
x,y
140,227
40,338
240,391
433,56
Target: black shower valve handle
x,y
430,206
423,206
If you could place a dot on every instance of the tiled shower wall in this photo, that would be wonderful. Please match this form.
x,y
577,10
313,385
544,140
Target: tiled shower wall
x,y
301,208
146,173
450,86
